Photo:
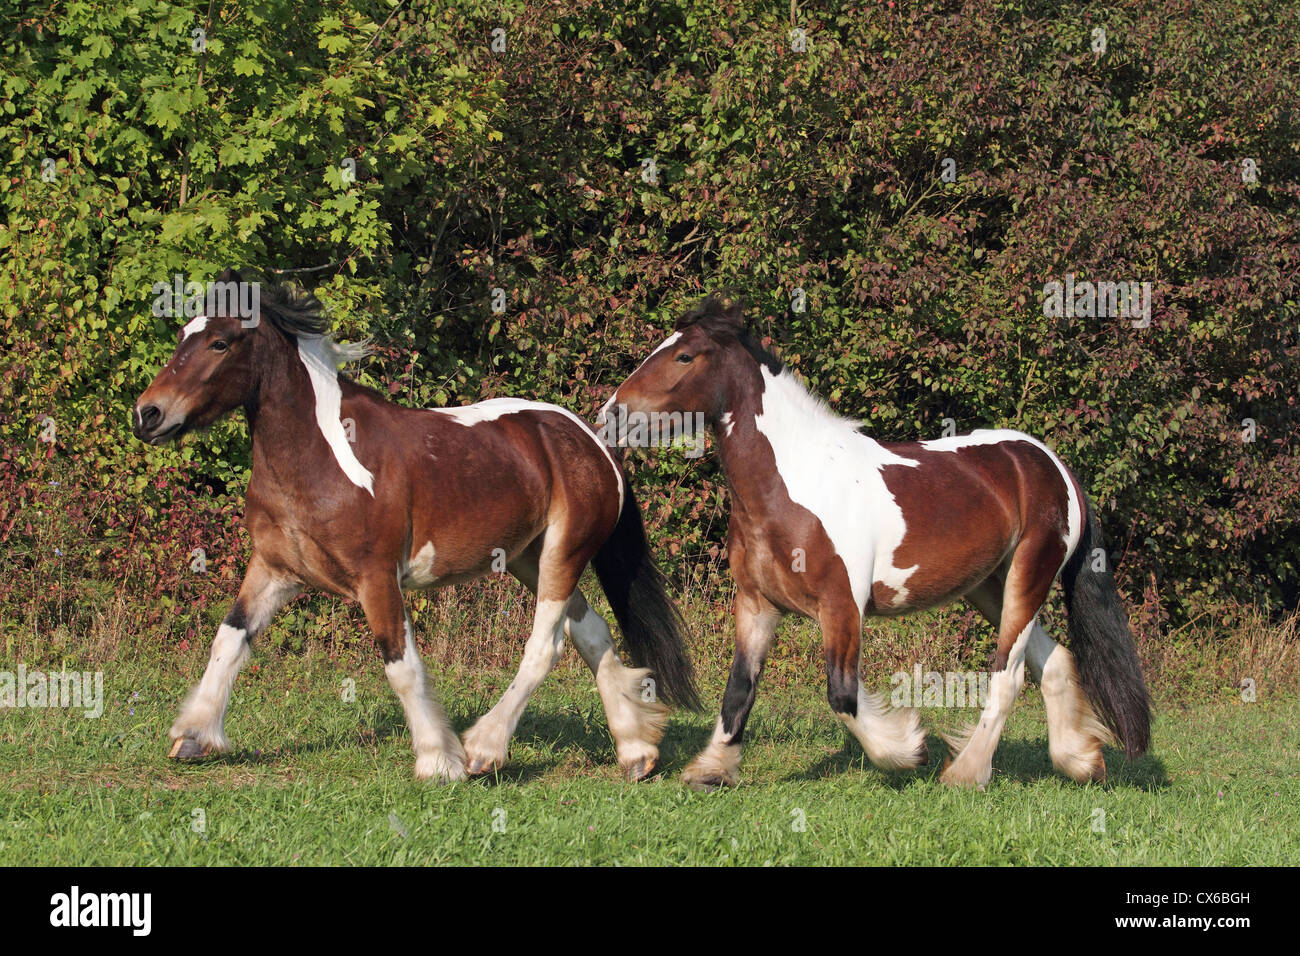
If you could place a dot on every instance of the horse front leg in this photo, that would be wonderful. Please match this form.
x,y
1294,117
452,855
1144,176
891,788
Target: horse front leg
x,y
438,754
719,763
892,737
199,730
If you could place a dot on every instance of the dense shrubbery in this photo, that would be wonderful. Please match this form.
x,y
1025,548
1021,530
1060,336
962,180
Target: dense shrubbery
x,y
776,170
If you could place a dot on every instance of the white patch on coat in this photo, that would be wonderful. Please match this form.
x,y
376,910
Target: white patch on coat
x,y
726,424
418,572
494,408
320,356
994,436
835,471
197,324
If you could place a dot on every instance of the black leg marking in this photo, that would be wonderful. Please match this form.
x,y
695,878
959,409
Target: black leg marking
x,y
738,698
841,688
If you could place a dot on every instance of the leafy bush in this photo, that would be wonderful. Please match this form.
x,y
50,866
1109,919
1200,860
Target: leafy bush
x,y
773,170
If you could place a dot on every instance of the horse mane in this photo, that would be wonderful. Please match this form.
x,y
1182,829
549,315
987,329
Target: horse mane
x,y
300,315
722,316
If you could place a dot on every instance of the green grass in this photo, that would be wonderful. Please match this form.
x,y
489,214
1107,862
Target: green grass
x,y
315,780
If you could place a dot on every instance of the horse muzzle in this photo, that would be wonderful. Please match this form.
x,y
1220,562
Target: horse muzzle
x,y
151,424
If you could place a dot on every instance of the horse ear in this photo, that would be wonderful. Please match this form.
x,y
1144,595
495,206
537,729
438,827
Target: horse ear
x,y
731,312
720,311
230,275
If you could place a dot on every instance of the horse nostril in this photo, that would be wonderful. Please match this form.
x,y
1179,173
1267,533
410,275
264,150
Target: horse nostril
x,y
150,417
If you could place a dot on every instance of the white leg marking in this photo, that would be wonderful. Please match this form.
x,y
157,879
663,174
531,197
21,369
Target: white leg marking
x,y
203,715
1074,732
719,762
892,737
636,718
438,754
974,765
488,740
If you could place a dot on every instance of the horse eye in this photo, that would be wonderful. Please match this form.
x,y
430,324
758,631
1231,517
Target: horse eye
x,y
219,346
686,358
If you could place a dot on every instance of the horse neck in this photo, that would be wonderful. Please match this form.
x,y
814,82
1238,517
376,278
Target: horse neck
x,y
792,417
283,412
750,468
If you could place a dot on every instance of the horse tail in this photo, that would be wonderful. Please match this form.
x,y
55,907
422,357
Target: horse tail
x,y
1102,643
653,628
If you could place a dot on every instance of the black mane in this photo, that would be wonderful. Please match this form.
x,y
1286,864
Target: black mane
x,y
293,311
722,317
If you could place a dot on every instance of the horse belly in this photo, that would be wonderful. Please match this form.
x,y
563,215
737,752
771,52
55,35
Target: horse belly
x,y
473,516
954,529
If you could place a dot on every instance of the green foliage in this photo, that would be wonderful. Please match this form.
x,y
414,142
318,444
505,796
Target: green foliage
x,y
776,170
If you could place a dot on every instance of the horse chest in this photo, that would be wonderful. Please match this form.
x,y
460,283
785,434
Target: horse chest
x,y
825,531
311,550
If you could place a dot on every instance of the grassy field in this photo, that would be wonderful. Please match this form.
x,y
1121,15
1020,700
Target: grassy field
x,y
317,780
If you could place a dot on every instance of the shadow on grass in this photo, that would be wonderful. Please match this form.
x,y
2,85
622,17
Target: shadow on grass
x,y
1022,761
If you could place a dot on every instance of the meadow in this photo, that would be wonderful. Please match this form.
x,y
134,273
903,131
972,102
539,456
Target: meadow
x,y
321,772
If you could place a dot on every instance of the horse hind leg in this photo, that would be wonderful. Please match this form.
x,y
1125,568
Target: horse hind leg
x,y
554,580
1075,734
636,717
1025,589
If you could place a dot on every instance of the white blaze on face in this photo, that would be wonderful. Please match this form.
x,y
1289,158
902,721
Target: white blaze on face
x,y
833,470
666,343
319,362
494,408
197,324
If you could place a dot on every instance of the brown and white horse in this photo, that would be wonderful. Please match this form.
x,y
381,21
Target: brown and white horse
x,y
359,497
827,523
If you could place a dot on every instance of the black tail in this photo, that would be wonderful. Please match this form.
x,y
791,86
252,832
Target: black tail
x,y
653,629
1102,643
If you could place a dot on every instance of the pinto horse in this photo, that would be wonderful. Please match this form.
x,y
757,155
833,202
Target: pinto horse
x,y
830,524
359,497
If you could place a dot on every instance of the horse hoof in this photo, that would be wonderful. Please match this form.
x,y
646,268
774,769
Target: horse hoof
x,y
707,784
640,769
186,748
479,766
